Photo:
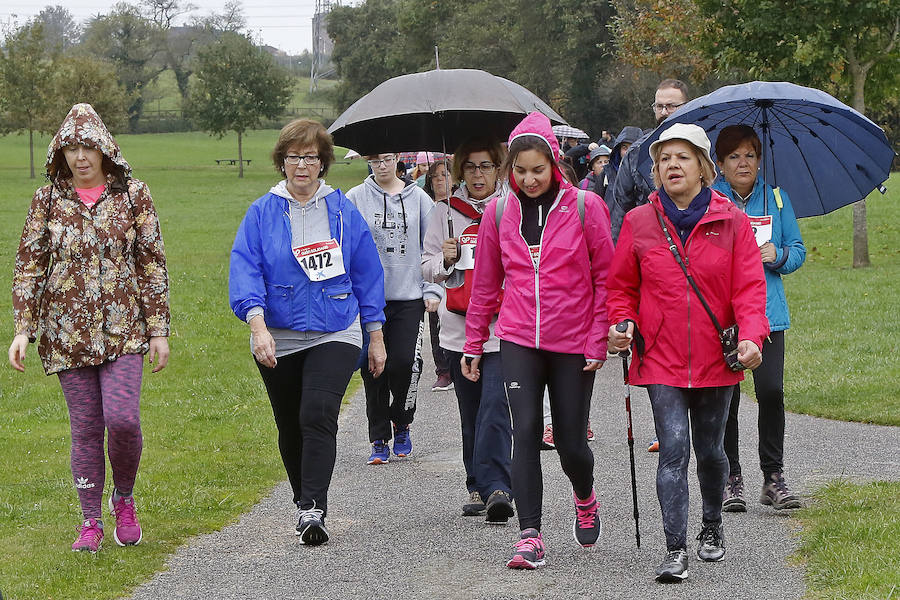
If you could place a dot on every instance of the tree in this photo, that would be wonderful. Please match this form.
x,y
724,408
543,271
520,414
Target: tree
x,y
60,29
78,79
237,85
132,42
177,48
671,38
368,48
25,68
230,19
849,48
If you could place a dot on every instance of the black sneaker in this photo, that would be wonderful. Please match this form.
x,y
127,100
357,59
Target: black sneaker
x,y
711,542
474,507
499,508
776,493
733,497
311,527
674,567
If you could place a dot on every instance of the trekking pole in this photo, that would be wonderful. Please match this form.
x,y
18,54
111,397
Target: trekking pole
x,y
622,327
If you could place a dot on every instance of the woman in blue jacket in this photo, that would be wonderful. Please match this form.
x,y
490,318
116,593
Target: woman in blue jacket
x,y
306,277
738,153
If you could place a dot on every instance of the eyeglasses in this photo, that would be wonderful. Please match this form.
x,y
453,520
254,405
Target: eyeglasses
x,y
485,167
378,162
310,159
657,107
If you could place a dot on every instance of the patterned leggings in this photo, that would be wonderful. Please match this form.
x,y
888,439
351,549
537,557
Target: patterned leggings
x,y
102,398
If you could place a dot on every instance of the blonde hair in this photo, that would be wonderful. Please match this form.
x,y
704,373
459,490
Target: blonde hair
x,y
707,168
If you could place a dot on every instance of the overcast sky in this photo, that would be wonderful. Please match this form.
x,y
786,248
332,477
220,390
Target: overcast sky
x,y
285,24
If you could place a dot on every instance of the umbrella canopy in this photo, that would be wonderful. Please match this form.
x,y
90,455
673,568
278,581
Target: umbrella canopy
x,y
824,153
435,110
564,131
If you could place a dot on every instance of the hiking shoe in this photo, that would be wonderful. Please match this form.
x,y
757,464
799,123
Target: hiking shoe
x,y
733,496
90,537
654,446
586,527
442,384
529,551
127,531
590,433
547,438
674,567
711,542
402,441
475,506
311,527
380,453
776,493
499,508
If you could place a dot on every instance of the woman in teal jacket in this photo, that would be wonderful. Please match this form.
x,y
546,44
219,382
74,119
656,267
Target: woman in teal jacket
x,y
738,153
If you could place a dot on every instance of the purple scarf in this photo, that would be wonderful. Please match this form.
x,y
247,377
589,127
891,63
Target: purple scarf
x,y
685,220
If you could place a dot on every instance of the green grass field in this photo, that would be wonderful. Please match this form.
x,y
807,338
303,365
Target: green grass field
x,y
162,94
841,357
210,448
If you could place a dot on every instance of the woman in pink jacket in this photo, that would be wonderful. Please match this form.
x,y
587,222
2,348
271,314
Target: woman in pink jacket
x,y
551,245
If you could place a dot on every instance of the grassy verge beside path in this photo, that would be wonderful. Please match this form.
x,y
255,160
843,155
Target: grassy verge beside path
x,y
210,450
849,542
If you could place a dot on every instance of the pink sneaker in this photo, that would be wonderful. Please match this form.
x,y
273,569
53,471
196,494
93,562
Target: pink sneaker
x,y
128,530
547,438
590,432
90,537
529,551
586,527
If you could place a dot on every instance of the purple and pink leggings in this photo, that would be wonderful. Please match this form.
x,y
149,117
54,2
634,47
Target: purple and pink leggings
x,y
104,398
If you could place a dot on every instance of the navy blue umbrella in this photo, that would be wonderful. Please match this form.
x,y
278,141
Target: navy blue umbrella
x,y
824,153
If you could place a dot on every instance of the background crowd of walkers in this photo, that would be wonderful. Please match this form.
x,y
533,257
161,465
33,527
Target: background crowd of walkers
x,y
533,262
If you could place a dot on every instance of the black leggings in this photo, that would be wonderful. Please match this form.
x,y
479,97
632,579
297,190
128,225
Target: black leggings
x,y
768,383
680,414
392,396
525,372
305,389
441,361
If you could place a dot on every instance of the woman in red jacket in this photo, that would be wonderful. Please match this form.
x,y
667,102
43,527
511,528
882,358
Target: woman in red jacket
x,y
678,353
551,245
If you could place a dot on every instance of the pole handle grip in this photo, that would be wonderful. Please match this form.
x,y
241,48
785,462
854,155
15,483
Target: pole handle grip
x,y
622,328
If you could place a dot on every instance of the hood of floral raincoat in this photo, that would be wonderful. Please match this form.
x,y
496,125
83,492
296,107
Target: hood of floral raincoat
x,y
83,126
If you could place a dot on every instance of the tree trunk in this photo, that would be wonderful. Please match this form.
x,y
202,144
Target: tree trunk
x,y
31,150
240,155
858,74
860,236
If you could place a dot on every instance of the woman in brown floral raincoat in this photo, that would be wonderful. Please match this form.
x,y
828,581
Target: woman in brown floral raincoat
x,y
90,277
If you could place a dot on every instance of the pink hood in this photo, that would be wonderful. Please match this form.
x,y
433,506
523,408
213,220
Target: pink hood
x,y
536,124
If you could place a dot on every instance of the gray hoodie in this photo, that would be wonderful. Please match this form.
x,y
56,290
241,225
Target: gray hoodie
x,y
398,223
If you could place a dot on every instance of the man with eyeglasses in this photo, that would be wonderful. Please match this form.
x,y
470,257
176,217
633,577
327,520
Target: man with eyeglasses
x,y
397,214
630,188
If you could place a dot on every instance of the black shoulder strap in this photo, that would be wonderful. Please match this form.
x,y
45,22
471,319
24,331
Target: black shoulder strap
x,y
680,260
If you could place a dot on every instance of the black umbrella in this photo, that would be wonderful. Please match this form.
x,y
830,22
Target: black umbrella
x,y
435,110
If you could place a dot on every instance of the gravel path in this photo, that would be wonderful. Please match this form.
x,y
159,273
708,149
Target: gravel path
x,y
397,531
